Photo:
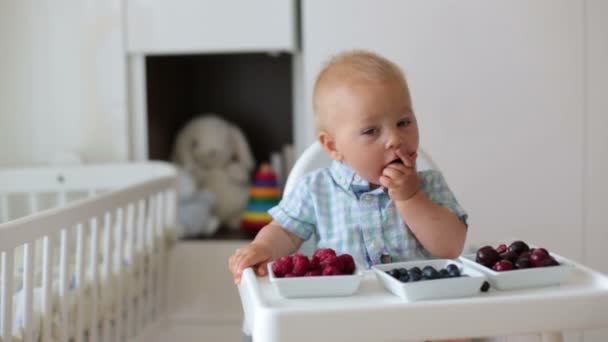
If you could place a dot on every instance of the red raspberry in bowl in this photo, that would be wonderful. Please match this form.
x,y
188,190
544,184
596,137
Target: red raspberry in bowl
x,y
314,272
330,270
300,264
348,263
282,267
334,261
322,253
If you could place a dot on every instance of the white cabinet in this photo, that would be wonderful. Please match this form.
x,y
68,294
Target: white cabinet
x,y
206,26
498,90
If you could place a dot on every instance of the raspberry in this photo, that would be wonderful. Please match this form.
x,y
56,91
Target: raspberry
x,y
322,253
282,267
332,260
330,270
300,264
290,275
315,263
314,272
348,264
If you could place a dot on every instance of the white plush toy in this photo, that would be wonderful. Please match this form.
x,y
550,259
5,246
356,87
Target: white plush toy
x,y
194,208
218,156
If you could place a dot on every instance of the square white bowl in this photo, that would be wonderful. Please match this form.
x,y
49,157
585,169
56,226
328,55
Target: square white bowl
x,y
523,278
316,286
431,289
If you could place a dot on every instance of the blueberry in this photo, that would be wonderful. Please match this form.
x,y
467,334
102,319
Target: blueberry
x,y
485,286
402,271
393,273
443,273
415,276
454,272
451,267
404,278
415,270
430,273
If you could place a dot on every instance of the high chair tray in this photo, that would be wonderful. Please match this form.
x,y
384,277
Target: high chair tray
x,y
374,314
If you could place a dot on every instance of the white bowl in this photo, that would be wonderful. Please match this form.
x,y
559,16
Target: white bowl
x,y
431,289
523,278
317,286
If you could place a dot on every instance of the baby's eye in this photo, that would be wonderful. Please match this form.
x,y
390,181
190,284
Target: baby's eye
x,y
404,123
369,131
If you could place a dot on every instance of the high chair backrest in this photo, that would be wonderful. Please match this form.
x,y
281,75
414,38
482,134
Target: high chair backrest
x,y
315,158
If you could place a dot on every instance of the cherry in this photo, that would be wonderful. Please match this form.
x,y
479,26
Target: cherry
x,y
511,256
502,265
487,256
501,248
518,247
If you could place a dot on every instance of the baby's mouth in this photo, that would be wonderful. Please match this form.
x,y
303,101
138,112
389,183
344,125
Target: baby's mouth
x,y
396,161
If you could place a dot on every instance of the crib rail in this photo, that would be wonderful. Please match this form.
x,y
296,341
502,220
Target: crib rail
x,y
91,269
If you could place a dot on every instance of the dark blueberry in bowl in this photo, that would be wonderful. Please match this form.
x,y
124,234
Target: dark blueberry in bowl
x,y
404,278
451,267
415,276
443,273
393,273
518,247
402,271
487,256
429,273
454,272
485,286
416,269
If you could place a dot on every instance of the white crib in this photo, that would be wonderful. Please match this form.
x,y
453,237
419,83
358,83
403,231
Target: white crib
x,y
84,251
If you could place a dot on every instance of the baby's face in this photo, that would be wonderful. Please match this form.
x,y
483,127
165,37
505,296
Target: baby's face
x,y
369,121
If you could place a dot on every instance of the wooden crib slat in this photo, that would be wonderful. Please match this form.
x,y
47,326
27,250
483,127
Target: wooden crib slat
x,y
29,257
94,280
140,250
6,310
78,290
64,284
107,273
47,276
120,271
154,260
149,251
130,256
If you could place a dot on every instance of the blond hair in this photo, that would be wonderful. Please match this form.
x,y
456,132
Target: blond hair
x,y
355,64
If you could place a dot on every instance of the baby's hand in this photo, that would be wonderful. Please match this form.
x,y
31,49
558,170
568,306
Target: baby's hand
x,y
253,255
401,180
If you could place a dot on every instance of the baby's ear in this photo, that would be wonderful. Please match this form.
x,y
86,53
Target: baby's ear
x,y
329,145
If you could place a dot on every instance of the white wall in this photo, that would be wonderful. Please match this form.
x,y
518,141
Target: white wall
x,y
498,89
63,83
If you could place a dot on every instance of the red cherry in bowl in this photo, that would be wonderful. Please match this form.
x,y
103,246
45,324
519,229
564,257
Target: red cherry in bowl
x,y
503,265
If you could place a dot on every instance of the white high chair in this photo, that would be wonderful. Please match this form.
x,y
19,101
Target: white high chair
x,y
264,309
315,158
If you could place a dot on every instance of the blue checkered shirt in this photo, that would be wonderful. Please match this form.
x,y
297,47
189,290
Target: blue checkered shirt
x,y
338,206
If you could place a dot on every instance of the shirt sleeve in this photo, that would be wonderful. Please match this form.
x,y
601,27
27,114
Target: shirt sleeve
x,y
296,211
435,186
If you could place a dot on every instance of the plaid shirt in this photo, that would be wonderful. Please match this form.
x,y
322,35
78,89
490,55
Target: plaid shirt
x,y
338,206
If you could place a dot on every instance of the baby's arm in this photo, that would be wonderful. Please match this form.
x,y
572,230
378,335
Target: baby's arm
x,y
271,243
439,230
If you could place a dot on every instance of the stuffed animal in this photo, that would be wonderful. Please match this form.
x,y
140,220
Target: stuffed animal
x,y
194,208
217,154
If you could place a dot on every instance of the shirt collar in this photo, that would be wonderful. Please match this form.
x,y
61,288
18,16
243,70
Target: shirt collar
x,y
349,180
